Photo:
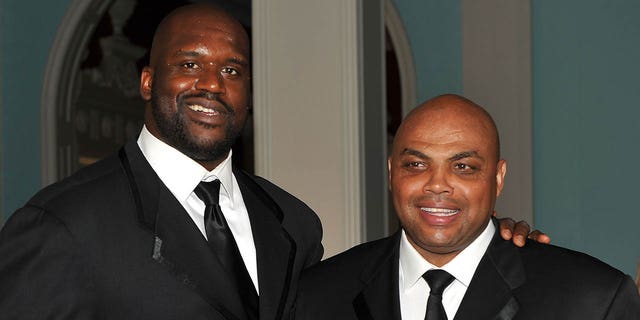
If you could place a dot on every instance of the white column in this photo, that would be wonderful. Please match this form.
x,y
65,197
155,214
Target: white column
x,y
307,103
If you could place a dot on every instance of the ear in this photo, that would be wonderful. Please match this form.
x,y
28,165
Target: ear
x,y
146,79
501,171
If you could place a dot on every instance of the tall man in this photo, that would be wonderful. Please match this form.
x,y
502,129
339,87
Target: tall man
x,y
126,238
447,262
134,236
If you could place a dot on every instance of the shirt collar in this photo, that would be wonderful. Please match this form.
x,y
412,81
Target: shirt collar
x,y
164,159
224,173
462,267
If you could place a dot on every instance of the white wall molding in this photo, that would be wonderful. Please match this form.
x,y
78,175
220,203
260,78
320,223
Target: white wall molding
x,y
352,97
261,87
307,108
404,55
75,30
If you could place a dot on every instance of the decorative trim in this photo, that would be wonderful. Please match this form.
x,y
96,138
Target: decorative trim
x,y
261,88
404,54
75,30
352,95
2,187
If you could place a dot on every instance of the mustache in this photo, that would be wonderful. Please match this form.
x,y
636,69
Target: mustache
x,y
437,199
207,95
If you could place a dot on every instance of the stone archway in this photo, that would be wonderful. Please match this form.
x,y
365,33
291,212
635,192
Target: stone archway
x,y
90,99
74,97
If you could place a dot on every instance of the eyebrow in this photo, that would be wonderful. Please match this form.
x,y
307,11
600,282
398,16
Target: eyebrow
x,y
455,157
187,53
192,54
465,154
414,152
238,61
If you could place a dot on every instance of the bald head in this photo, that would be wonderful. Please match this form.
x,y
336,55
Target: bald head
x,y
444,175
450,109
197,86
197,20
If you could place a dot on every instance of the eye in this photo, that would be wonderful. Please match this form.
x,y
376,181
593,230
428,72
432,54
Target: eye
x,y
464,168
190,65
230,71
414,165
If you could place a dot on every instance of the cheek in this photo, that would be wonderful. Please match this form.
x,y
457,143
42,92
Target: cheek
x,y
478,195
180,84
239,95
405,188
171,87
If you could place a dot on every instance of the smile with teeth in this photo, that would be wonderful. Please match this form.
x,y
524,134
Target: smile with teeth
x,y
440,212
199,108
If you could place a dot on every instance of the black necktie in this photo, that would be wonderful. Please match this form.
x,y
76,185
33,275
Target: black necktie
x,y
223,245
438,280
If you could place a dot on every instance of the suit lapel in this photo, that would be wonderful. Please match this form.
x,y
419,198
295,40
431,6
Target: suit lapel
x,y
490,293
178,245
275,249
379,298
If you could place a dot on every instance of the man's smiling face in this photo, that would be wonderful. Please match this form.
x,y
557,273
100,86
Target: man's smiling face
x,y
198,84
445,175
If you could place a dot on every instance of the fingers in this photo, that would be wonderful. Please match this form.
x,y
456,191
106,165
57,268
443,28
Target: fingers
x,y
506,228
539,236
520,233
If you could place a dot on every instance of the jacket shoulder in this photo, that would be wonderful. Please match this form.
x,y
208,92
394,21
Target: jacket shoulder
x,y
351,263
281,196
299,220
90,185
586,283
569,263
293,209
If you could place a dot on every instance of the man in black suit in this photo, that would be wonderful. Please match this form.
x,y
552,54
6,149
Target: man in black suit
x,y
130,236
126,239
448,262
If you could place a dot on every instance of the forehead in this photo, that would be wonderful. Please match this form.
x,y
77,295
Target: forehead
x,y
211,40
446,132
203,32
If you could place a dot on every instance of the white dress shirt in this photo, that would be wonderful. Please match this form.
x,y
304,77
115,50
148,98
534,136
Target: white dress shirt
x,y
182,174
414,290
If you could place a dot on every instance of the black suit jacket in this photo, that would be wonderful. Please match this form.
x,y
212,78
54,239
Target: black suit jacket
x,y
535,282
112,242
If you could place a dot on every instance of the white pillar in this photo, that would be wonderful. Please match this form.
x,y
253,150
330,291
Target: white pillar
x,y
307,105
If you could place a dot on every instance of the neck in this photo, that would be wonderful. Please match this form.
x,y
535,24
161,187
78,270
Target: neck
x,y
211,164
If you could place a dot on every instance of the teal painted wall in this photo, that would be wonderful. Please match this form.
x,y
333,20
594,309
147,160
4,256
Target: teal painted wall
x,y
435,33
27,32
586,62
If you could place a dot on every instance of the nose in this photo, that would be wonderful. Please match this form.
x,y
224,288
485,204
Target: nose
x,y
437,181
210,81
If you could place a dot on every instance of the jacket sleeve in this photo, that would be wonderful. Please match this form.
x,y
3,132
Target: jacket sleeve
x,y
626,302
317,250
41,274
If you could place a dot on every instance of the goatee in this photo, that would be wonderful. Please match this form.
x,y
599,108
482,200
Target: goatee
x,y
173,128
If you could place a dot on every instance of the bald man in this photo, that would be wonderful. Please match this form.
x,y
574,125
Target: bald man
x,y
448,261
128,237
